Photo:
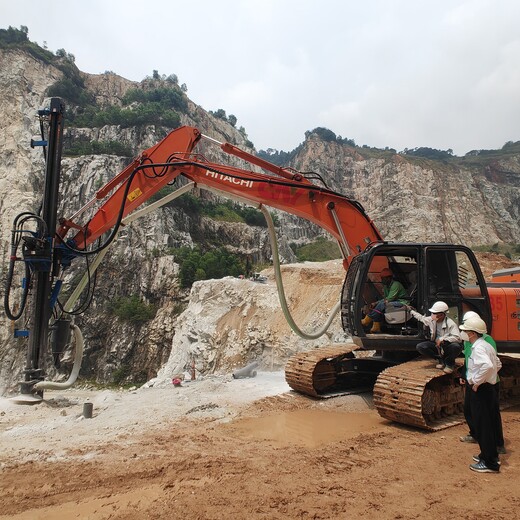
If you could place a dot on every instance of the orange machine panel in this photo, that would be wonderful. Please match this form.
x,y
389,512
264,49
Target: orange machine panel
x,y
505,309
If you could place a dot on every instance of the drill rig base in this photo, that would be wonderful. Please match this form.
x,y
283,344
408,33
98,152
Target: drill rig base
x,y
26,399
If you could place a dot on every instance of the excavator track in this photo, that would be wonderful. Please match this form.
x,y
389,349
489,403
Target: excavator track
x,y
418,394
509,380
316,372
414,393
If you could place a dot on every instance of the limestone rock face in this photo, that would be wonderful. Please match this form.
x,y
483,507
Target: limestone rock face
x,y
426,201
230,322
221,324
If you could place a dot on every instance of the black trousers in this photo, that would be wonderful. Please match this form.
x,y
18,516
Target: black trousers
x,y
449,352
498,418
483,404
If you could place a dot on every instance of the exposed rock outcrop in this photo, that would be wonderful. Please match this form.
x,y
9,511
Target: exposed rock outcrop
x,y
412,199
230,322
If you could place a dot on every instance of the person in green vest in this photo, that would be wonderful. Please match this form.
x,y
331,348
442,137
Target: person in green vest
x,y
394,295
471,437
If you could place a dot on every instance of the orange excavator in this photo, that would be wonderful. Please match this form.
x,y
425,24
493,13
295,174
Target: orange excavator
x,y
406,389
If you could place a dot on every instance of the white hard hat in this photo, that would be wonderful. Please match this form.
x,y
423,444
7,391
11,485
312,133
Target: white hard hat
x,y
439,307
475,324
470,314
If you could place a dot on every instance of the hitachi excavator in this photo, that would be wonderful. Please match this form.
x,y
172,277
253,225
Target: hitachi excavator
x,y
406,389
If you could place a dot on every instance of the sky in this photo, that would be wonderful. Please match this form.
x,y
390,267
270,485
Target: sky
x,y
442,74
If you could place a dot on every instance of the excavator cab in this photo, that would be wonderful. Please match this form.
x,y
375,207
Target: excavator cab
x,y
428,272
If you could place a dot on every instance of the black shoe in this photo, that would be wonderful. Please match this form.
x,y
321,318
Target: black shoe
x,y
480,467
476,458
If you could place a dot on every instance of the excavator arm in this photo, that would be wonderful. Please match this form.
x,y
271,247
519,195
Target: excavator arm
x,y
284,189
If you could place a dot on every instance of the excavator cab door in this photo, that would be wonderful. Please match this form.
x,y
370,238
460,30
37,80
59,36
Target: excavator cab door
x,y
453,275
364,285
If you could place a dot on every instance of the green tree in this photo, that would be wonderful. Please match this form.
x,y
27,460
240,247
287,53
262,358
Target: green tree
x,y
319,251
195,265
13,35
200,274
219,114
132,309
323,133
429,153
188,271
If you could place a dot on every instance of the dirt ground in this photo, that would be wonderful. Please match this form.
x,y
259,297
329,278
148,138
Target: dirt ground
x,y
219,448
245,449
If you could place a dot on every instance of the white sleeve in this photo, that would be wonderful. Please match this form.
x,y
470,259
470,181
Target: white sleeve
x,y
483,366
419,317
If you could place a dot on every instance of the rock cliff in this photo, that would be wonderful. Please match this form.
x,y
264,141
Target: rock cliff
x,y
415,199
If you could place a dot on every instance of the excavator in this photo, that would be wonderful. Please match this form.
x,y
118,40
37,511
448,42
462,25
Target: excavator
x,y
405,389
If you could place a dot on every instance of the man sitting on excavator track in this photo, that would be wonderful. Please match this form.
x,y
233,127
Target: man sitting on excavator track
x,y
445,343
394,295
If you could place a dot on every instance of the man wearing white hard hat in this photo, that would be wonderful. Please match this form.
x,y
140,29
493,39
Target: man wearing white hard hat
x,y
472,436
445,343
481,374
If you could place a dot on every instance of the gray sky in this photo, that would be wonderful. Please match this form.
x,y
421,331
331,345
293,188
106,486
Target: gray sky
x,y
398,73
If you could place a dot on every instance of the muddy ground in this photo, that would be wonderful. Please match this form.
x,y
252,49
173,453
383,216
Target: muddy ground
x,y
243,449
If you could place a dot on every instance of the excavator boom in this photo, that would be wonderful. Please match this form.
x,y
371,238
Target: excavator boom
x,y
343,218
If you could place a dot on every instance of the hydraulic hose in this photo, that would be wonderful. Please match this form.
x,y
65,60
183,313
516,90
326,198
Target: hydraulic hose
x,y
51,385
16,237
12,315
281,292
277,272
